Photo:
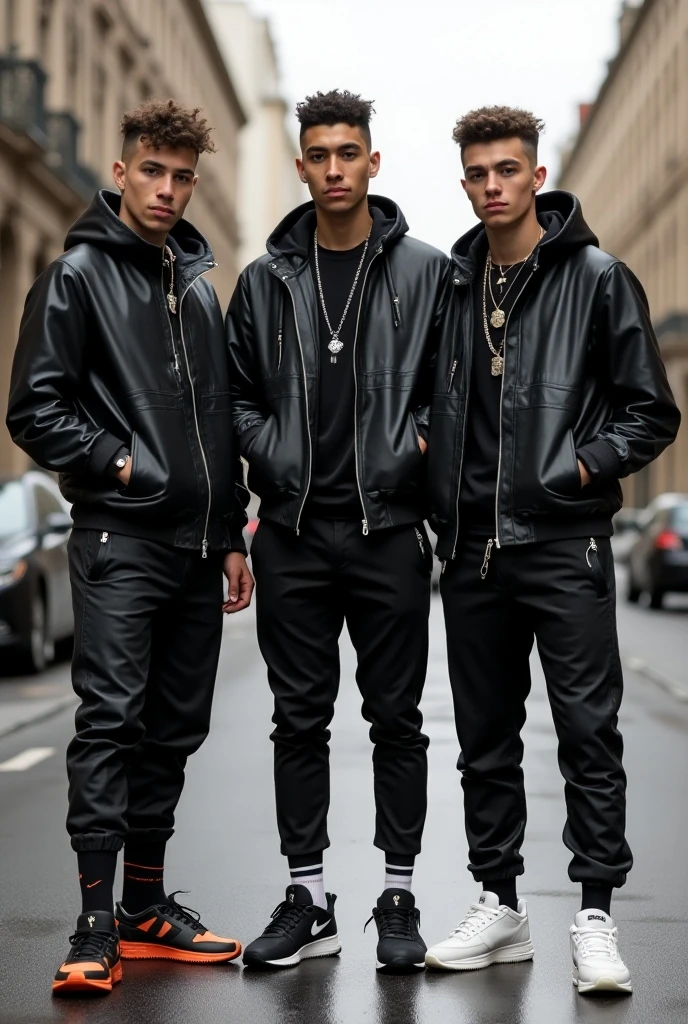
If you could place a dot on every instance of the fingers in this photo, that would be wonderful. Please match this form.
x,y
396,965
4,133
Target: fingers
x,y
241,585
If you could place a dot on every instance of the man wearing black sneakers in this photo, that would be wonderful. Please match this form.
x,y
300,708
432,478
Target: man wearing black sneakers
x,y
550,391
120,384
331,337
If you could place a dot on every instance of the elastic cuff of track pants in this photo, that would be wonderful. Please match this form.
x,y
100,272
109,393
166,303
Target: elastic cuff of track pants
x,y
495,876
148,835
90,842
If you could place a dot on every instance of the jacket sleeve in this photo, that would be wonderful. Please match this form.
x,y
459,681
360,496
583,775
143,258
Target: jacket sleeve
x,y
645,419
427,376
48,367
247,404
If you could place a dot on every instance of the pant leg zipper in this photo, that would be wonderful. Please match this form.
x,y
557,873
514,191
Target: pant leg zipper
x,y
486,560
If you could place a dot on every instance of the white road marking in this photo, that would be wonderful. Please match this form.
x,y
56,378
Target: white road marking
x,y
655,676
27,759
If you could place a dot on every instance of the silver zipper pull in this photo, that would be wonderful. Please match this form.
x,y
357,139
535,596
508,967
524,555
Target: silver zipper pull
x,y
419,538
279,349
451,373
397,319
365,527
592,546
444,566
486,561
204,548
104,538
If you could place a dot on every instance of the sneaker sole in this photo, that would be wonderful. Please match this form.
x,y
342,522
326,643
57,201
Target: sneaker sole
x,y
400,968
150,951
514,954
78,984
602,985
312,950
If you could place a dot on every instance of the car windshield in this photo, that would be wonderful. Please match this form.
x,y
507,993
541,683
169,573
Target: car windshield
x,y
13,511
679,518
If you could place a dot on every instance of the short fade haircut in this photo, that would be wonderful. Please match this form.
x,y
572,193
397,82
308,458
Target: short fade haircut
x,y
165,123
489,123
336,107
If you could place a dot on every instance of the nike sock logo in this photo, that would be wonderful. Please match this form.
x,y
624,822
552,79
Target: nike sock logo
x,y
93,884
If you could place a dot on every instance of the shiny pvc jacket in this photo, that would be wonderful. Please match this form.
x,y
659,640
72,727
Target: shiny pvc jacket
x,y
583,379
272,331
102,364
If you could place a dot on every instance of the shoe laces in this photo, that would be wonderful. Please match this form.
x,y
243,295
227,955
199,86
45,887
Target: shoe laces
x,y
284,917
90,945
593,942
396,923
184,914
477,918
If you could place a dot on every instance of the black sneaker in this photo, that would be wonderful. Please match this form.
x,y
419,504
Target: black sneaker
x,y
400,949
93,964
298,930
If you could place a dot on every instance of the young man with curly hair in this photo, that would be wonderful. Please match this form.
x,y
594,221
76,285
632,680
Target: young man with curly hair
x,y
121,384
331,338
549,391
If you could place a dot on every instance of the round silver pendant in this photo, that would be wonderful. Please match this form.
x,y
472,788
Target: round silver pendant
x,y
497,318
336,346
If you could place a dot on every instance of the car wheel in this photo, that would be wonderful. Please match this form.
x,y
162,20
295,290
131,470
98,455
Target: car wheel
x,y
656,598
632,591
41,649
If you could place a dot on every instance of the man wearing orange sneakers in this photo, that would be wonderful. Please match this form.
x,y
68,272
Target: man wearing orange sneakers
x,y
120,384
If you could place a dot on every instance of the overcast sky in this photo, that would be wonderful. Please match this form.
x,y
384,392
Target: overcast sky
x,y
427,62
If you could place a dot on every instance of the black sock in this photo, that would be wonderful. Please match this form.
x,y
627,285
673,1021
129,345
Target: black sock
x,y
505,891
597,897
96,878
143,876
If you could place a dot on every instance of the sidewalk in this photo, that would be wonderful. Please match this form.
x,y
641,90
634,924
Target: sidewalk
x,y
28,699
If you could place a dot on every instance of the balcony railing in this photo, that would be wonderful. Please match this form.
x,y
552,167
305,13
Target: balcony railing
x,y
22,88
63,132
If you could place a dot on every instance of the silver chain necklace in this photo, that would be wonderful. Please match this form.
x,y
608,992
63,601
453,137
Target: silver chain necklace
x,y
171,297
336,346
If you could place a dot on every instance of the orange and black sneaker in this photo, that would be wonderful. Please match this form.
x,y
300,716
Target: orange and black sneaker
x,y
171,932
93,964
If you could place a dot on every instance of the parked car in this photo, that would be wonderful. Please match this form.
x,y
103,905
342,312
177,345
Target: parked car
x,y
35,598
658,561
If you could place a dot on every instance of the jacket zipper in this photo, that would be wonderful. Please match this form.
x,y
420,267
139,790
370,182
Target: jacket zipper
x,y
305,393
591,547
204,543
465,414
279,350
419,538
501,400
364,521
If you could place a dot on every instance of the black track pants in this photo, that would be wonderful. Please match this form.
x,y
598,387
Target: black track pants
x,y
148,626
561,593
307,587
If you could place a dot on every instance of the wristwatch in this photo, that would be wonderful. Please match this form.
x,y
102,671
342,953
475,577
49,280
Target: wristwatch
x,y
121,463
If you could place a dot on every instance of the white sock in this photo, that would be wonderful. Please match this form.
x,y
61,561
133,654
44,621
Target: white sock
x,y
398,876
312,877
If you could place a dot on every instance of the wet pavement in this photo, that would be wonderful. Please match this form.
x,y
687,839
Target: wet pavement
x,y
226,853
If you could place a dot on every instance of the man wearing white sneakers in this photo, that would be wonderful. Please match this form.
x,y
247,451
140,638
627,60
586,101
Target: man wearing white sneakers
x,y
549,389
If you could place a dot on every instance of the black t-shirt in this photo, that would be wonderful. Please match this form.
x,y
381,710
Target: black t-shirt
x,y
481,451
334,490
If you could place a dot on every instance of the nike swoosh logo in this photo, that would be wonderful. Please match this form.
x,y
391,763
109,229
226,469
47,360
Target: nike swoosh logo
x,y
93,884
317,928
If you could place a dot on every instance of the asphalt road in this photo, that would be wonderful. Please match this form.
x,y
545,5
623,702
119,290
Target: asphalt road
x,y
226,853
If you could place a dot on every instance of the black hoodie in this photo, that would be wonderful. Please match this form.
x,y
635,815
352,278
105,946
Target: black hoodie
x,y
583,379
101,363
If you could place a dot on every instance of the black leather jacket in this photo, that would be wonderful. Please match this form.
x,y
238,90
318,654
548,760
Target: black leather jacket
x,y
101,364
272,325
583,379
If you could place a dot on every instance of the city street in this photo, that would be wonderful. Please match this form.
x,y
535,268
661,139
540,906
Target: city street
x,y
226,854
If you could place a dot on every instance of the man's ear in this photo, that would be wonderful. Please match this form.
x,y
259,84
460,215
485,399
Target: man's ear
x,y
301,172
539,178
374,164
119,174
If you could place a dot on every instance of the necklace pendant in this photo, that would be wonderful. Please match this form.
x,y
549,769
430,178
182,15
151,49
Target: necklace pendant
x,y
501,280
497,318
497,366
172,302
335,347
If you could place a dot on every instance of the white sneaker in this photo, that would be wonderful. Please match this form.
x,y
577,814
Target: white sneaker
x,y
597,965
488,934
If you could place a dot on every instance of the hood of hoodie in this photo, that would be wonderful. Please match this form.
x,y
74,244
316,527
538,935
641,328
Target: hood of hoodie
x,y
100,226
293,236
566,232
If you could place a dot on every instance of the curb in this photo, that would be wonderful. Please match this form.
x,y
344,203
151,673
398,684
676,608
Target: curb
x,y
39,716
654,675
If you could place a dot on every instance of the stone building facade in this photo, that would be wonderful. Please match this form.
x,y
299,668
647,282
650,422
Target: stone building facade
x,y
68,68
629,167
268,183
